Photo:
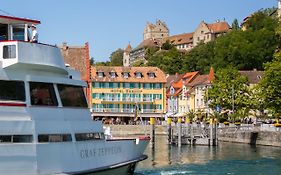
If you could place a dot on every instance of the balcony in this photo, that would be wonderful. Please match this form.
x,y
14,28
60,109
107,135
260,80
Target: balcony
x,y
126,110
111,99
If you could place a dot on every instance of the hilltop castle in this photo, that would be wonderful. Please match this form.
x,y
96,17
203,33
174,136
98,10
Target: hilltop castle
x,y
155,35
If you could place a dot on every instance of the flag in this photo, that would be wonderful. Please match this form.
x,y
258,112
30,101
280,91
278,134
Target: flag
x,y
136,112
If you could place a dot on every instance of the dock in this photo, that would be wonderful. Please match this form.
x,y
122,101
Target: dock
x,y
194,134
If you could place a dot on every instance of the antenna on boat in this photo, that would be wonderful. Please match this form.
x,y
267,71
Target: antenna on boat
x,y
7,13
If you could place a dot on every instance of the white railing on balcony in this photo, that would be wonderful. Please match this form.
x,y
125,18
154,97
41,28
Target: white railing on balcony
x,y
152,111
111,99
124,110
147,99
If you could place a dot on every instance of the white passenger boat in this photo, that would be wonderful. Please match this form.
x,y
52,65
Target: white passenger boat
x,y
45,122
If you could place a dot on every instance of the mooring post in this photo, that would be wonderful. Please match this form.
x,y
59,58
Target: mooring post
x,y
152,131
216,132
211,133
179,132
191,133
169,125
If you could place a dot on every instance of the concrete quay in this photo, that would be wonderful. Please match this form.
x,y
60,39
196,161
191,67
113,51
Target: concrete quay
x,y
250,134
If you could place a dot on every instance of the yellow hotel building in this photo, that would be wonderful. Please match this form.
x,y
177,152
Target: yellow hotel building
x,y
121,91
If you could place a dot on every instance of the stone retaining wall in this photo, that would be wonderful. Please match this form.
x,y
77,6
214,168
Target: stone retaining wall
x,y
249,137
125,130
259,137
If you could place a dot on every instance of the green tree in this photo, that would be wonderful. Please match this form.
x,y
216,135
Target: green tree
x,y
263,19
167,45
139,63
235,25
92,61
199,58
242,49
170,61
270,86
116,58
107,63
229,90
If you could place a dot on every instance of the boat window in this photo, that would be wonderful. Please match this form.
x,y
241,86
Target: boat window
x,y
12,90
9,51
18,33
3,32
54,138
89,136
72,96
42,94
16,138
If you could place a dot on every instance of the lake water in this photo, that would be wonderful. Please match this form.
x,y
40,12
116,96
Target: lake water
x,y
225,159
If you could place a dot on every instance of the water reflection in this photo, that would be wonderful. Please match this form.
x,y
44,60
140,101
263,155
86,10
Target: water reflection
x,y
191,159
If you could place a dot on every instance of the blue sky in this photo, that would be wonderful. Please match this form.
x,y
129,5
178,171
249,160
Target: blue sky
x,y
111,24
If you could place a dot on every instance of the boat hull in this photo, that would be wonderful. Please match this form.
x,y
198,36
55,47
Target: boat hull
x,y
126,168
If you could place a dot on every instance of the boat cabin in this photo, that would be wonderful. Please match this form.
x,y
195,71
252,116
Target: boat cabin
x,y
14,28
16,51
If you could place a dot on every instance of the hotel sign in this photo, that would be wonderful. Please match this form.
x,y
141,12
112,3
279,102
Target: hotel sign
x,y
126,91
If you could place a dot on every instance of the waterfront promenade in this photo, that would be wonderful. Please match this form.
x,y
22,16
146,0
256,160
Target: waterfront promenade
x,y
265,134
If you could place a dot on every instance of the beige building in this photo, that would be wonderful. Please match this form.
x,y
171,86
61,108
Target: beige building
x,y
156,31
208,32
120,91
182,41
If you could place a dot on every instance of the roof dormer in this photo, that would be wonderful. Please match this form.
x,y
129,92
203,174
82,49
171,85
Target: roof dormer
x,y
100,74
151,74
126,74
138,74
113,74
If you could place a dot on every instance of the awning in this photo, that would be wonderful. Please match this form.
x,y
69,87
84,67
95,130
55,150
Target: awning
x,y
169,114
179,114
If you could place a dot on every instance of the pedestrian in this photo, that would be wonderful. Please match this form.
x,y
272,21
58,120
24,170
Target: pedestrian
x,y
34,35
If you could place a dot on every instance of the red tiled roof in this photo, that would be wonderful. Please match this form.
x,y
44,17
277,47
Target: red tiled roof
x,y
173,78
184,38
253,76
159,74
200,80
189,76
219,27
128,48
147,43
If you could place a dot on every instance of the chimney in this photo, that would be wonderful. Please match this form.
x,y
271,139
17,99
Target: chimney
x,y
211,74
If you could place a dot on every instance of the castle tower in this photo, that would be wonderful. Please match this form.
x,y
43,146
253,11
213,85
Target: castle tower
x,y
156,31
126,56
